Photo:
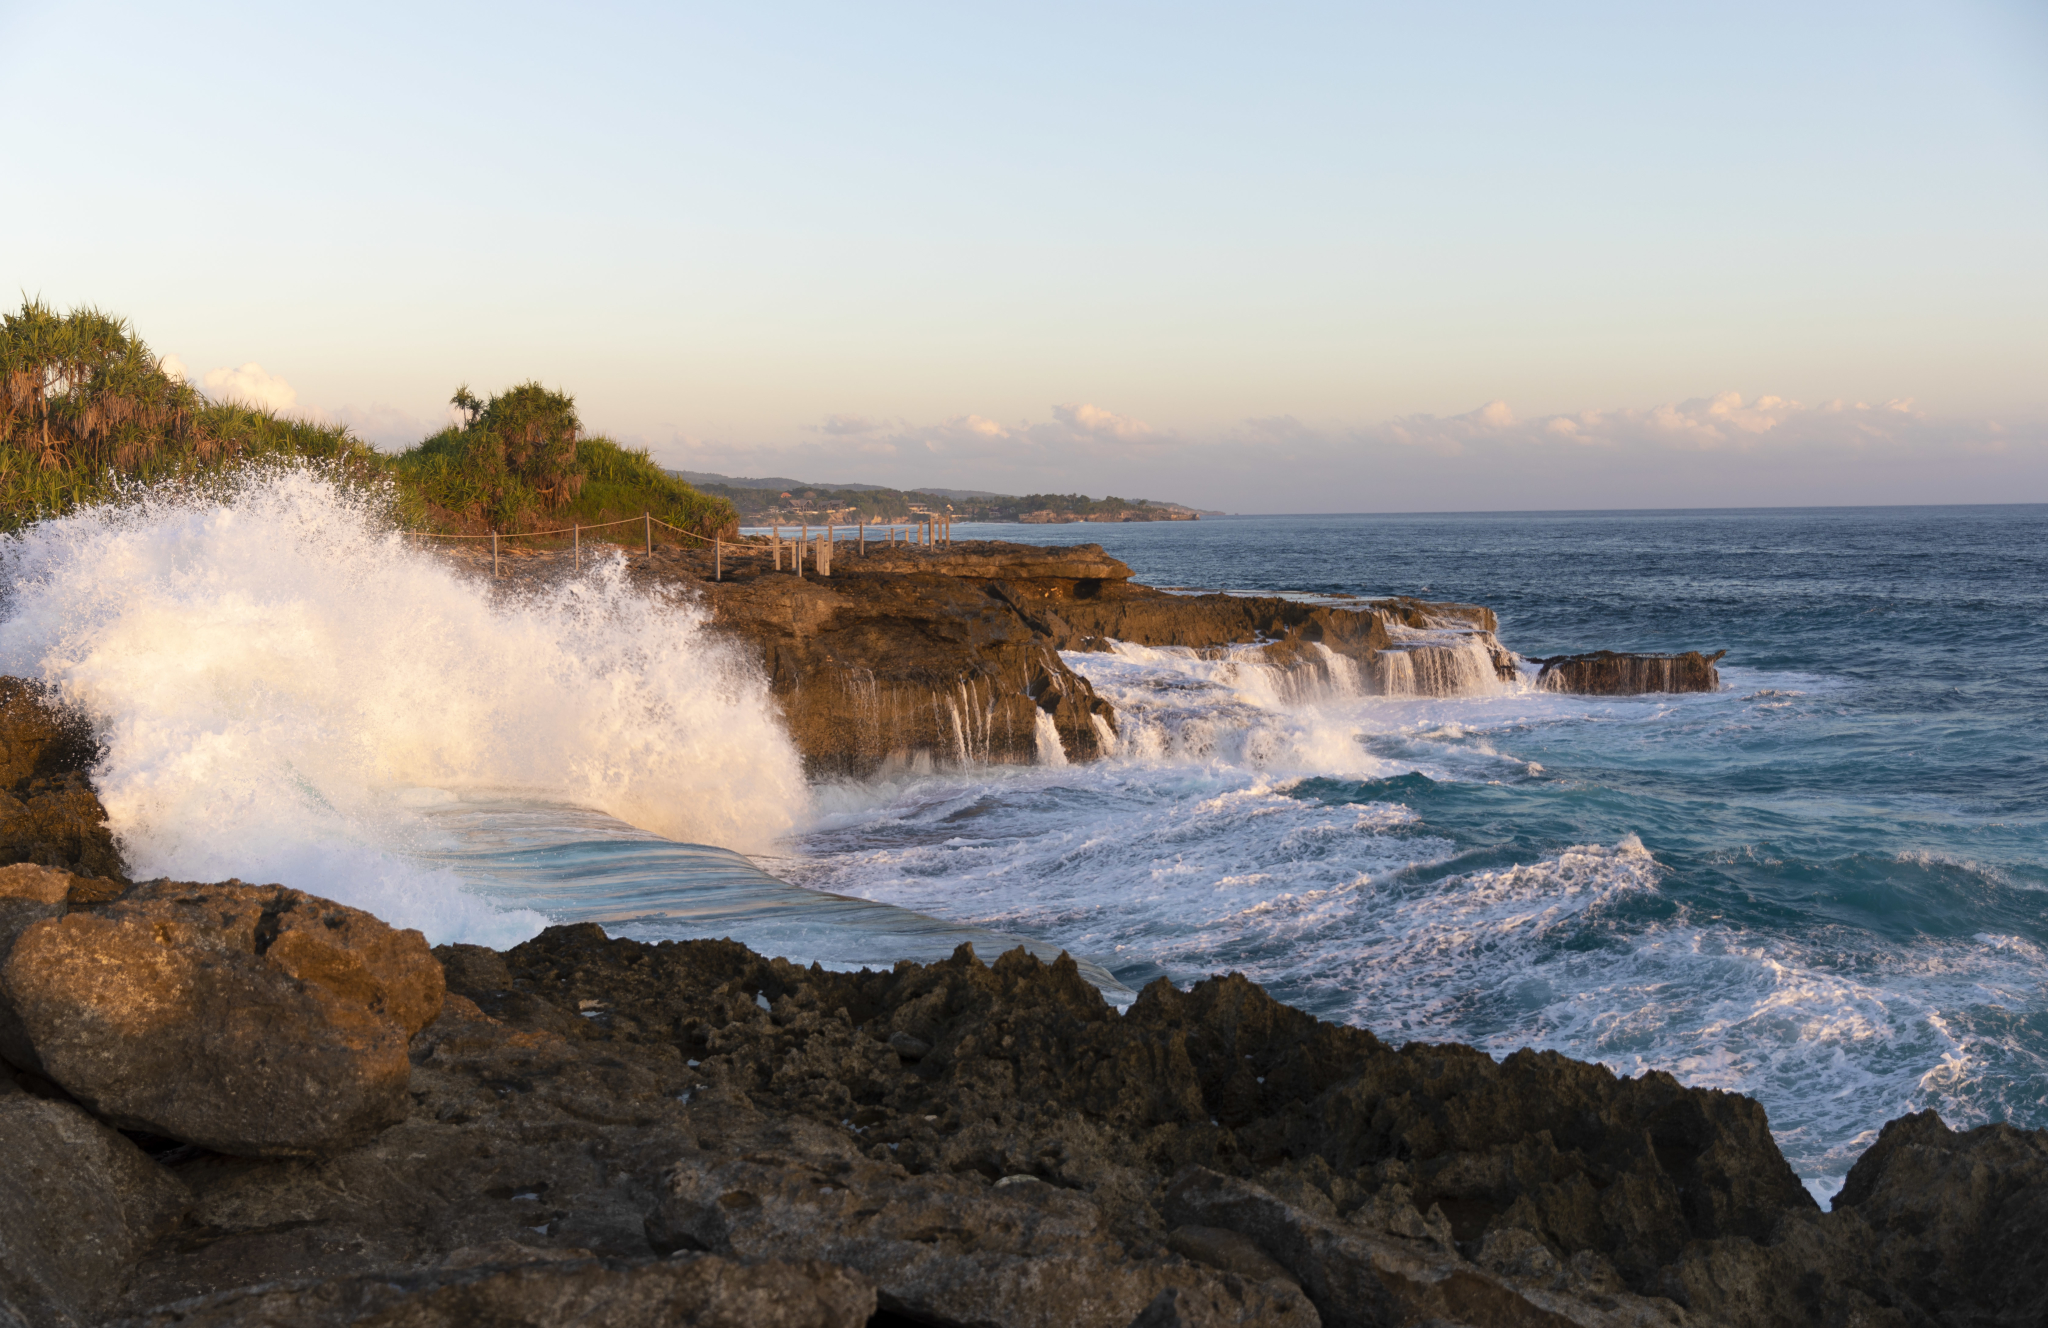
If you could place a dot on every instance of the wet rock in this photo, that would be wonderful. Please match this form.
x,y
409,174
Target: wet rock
x,y
78,1204
700,1292
882,663
48,811
1611,673
248,1019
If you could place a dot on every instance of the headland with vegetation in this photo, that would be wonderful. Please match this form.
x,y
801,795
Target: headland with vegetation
x,y
88,411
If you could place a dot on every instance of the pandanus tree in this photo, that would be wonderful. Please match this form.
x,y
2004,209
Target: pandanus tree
x,y
537,430
512,453
81,392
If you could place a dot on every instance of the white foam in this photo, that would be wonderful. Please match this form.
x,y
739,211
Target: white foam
x,y
1199,846
1050,752
277,674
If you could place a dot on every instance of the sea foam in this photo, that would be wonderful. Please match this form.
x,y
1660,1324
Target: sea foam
x,y
280,679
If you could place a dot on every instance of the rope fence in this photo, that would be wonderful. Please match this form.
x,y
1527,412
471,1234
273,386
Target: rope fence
x,y
932,531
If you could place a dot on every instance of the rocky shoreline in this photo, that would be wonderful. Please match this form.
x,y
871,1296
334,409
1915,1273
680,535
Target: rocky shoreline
x,y
952,653
235,1104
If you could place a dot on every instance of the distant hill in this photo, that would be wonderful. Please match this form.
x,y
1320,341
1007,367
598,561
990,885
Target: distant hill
x,y
760,498
780,482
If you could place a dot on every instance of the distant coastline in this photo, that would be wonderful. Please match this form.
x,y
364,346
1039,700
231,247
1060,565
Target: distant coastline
x,y
778,497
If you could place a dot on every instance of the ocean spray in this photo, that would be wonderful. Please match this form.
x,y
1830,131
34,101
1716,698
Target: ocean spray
x,y
279,677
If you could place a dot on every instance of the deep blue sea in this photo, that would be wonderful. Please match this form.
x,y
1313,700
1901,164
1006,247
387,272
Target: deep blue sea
x,y
1823,885
1826,885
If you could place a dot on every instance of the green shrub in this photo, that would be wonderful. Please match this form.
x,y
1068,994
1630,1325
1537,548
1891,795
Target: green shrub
x,y
85,406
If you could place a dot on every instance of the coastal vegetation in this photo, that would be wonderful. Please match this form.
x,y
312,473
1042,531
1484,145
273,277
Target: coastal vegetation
x,y
520,462
88,411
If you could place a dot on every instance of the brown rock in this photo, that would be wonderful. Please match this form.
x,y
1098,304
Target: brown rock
x,y
249,1019
48,811
991,560
28,894
78,1203
878,666
700,1293
1612,673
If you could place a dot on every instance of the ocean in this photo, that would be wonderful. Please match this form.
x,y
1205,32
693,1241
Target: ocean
x,y
1822,886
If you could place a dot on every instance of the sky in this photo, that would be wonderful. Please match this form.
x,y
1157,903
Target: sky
x,y
1267,258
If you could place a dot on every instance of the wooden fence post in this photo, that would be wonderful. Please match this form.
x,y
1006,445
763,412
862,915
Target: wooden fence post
x,y
576,542
775,543
496,570
648,517
717,560
825,567
863,539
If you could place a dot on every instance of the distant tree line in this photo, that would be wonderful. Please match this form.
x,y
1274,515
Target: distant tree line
x,y
868,505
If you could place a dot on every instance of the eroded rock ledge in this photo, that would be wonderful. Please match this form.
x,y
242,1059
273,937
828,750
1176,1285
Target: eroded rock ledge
x,y
953,654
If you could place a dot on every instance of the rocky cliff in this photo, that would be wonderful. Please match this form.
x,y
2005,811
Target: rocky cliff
x,y
905,653
202,1123
1612,673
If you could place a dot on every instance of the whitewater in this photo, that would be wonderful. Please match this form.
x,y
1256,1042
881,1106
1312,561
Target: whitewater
x,y
1822,886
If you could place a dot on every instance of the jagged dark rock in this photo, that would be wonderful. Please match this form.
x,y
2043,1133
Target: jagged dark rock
x,y
1612,673
582,1105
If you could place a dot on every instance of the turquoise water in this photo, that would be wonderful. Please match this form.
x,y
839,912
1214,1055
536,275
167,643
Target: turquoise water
x,y
1824,886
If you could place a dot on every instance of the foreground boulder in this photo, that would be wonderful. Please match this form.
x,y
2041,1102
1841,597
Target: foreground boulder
x,y
247,1019
1613,673
78,1205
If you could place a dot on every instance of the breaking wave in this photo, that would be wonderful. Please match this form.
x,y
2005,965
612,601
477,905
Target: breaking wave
x,y
280,680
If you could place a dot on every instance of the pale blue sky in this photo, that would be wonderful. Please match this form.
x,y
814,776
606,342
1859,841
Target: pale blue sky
x,y
1227,254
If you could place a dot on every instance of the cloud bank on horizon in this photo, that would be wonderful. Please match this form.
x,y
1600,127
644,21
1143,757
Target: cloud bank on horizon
x,y
1719,450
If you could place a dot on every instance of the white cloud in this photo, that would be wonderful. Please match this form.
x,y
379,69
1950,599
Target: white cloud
x,y
1099,423
251,385
845,426
1723,421
173,367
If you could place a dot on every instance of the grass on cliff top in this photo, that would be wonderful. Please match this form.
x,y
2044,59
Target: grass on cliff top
x,y
87,412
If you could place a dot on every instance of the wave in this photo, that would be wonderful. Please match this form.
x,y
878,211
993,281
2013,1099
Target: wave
x,y
276,673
